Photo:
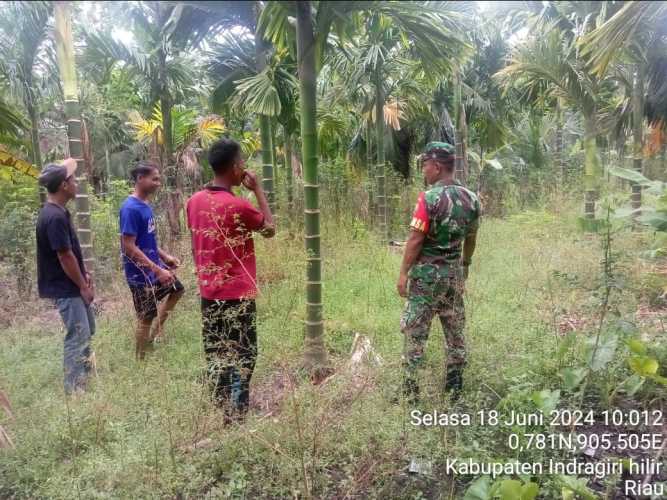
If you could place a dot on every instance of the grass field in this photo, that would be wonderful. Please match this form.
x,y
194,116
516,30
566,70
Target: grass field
x,y
148,430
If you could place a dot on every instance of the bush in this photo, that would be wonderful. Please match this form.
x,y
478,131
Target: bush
x,y
19,202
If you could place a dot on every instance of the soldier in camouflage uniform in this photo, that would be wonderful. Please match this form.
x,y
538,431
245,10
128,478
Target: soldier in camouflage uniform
x,y
435,265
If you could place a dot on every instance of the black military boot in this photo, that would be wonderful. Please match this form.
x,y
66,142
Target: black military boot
x,y
454,382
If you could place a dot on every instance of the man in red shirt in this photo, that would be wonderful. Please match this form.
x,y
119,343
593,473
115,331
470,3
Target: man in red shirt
x,y
221,225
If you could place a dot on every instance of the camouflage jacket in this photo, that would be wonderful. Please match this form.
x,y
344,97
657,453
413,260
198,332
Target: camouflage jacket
x,y
446,213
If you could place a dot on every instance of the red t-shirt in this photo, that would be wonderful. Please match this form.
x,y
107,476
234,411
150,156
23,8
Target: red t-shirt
x,y
221,225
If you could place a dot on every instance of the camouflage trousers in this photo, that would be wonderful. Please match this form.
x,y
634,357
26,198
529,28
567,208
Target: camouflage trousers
x,y
434,292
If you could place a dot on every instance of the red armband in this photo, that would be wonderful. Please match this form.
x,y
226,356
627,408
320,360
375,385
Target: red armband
x,y
419,220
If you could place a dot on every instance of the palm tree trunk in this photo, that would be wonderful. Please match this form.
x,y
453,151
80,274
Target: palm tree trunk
x,y
107,166
268,155
559,144
459,125
288,173
35,154
369,166
276,170
65,51
637,135
380,168
171,173
267,160
315,354
591,165
462,134
165,105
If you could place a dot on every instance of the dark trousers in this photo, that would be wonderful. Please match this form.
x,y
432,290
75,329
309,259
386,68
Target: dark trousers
x,y
230,344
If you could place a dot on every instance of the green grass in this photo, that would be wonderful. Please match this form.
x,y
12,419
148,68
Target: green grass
x,y
132,435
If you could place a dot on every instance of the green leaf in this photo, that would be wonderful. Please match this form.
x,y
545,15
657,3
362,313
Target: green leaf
x,y
494,163
630,175
572,377
656,188
480,489
529,491
659,379
576,486
637,346
546,400
510,489
625,212
644,366
567,494
657,219
599,357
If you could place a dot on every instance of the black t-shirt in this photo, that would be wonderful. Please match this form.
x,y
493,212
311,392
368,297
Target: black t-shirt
x,y
55,232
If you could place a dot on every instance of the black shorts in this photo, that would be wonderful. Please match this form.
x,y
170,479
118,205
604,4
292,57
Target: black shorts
x,y
146,298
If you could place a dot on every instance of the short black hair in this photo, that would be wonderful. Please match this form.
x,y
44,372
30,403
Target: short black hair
x,y
142,169
222,154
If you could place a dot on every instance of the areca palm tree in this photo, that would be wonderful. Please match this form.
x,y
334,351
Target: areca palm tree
x,y
432,35
314,23
483,108
166,34
66,65
315,353
550,66
13,125
25,56
266,89
429,26
190,133
638,33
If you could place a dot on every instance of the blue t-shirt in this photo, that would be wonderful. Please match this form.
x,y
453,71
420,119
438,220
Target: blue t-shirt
x,y
136,219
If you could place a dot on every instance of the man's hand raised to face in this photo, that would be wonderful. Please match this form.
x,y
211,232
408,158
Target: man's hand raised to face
x,y
250,181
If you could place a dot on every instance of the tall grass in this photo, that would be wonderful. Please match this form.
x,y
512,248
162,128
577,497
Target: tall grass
x,y
147,430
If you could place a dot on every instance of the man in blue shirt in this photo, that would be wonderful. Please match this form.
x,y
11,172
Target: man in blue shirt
x,y
148,269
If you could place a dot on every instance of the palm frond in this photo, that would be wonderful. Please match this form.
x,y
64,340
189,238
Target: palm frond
x,y
12,121
12,162
634,19
250,143
257,94
231,59
209,129
144,129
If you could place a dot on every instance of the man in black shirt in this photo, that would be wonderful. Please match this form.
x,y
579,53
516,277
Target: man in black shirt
x,y
61,274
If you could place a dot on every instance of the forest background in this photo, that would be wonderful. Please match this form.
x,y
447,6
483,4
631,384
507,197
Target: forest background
x,y
557,111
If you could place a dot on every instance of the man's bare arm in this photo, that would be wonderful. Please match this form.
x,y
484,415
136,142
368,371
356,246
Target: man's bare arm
x,y
269,229
251,182
140,259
